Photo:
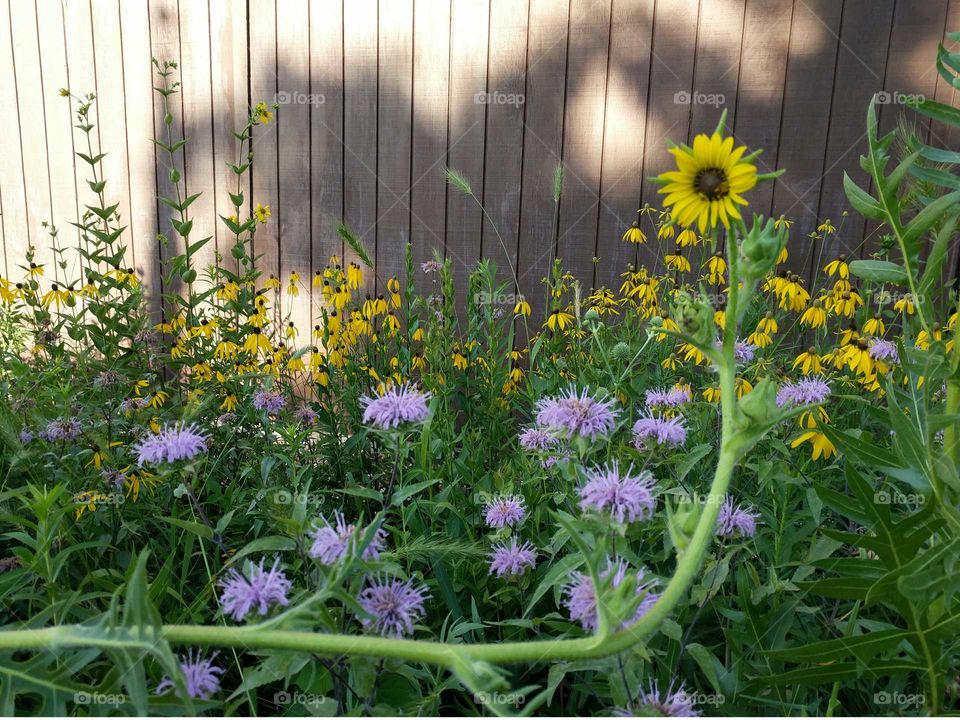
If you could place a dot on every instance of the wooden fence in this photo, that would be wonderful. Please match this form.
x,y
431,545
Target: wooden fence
x,y
377,98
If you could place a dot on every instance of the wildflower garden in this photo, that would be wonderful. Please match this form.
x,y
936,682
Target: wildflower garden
x,y
715,488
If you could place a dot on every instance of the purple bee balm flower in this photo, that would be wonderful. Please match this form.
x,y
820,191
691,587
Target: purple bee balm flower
x,y
884,351
581,595
332,543
257,591
306,415
172,443
577,414
805,391
743,351
65,429
26,437
201,677
269,401
393,604
396,406
536,439
625,498
661,430
668,398
734,521
668,704
430,266
505,511
513,560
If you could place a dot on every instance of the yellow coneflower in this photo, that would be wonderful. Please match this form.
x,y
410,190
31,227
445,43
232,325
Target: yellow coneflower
x,y
666,232
229,403
709,182
521,308
256,341
760,339
393,288
262,213
290,333
814,316
768,324
263,113
35,270
677,262
712,394
782,257
809,362
905,304
838,267
293,288
558,320
603,301
716,267
670,362
826,227
687,237
228,291
354,276
225,350
820,444
634,234
924,338
158,399
874,326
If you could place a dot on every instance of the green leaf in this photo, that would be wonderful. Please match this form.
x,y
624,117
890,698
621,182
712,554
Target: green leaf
x,y
198,529
879,271
401,494
862,201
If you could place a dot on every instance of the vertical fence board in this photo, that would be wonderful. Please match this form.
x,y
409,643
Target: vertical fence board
x,y
360,127
142,181
860,63
198,128
326,137
394,128
63,189
13,202
293,125
29,94
264,180
504,158
806,113
469,33
583,135
763,66
431,75
624,122
543,145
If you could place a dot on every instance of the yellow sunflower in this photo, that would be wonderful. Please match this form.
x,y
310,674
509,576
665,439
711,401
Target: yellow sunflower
x,y
708,183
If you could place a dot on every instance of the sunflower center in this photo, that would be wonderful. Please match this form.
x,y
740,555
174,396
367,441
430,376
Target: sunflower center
x,y
711,183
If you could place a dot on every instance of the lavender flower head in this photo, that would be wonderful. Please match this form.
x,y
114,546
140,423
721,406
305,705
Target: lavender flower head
x,y
805,391
660,430
26,437
257,591
668,398
393,604
332,543
668,704
734,521
396,406
505,511
172,443
513,560
201,676
430,266
581,595
66,429
884,351
577,414
270,401
743,351
306,414
536,439
625,498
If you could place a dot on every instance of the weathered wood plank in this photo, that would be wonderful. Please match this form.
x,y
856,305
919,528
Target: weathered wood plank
x,y
542,142
326,137
431,75
806,113
360,127
504,158
293,127
394,128
13,219
583,135
469,31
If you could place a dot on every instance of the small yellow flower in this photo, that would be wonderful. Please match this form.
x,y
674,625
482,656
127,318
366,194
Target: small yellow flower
x,y
809,362
263,113
838,267
820,444
559,320
229,403
677,262
262,213
521,308
634,234
874,326
687,237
